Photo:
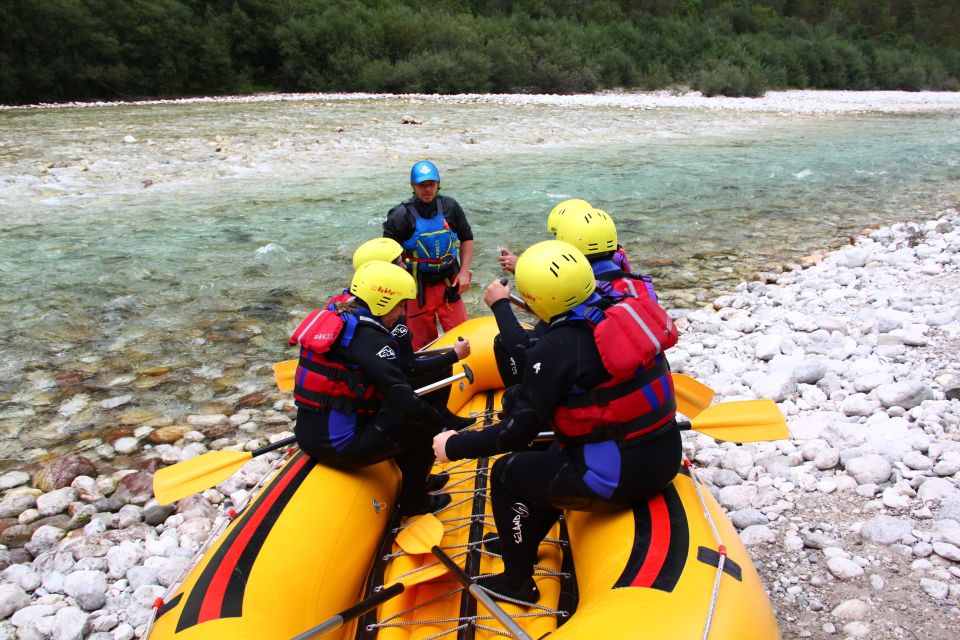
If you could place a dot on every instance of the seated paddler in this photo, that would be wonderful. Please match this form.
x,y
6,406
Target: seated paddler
x,y
420,368
597,378
355,405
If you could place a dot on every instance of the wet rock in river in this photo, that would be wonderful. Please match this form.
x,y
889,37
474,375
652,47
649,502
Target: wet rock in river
x,y
133,417
253,399
135,488
218,431
62,471
126,445
168,435
210,420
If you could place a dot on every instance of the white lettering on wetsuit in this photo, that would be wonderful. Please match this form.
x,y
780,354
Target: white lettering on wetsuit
x,y
536,367
387,353
521,512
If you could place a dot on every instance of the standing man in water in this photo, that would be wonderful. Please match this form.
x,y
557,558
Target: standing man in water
x,y
438,250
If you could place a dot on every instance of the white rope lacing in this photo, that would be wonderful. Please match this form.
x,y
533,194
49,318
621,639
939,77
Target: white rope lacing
x,y
405,618
721,549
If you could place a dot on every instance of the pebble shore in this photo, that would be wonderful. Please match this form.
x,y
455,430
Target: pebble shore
x,y
853,523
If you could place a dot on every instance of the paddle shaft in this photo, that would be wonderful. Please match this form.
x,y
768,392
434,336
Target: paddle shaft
x,y
515,299
357,610
550,436
196,474
439,384
481,596
433,386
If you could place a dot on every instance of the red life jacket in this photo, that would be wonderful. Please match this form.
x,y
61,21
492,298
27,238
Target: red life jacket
x,y
639,397
322,383
634,286
340,298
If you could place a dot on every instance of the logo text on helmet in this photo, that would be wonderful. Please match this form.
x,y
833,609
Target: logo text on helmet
x,y
386,290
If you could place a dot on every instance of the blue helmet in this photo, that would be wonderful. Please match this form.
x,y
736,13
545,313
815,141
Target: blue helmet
x,y
423,171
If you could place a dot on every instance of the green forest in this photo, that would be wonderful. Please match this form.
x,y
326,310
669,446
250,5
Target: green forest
x,y
66,50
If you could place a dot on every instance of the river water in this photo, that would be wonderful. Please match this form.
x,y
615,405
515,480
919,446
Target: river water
x,y
156,256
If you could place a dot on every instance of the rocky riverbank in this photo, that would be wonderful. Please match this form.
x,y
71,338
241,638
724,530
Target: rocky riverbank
x,y
854,524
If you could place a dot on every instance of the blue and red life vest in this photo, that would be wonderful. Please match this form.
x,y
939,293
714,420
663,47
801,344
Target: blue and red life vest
x,y
631,337
621,260
321,383
615,282
432,249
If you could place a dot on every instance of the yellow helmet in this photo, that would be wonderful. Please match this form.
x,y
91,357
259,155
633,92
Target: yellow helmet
x,y
564,208
553,277
590,230
385,249
382,285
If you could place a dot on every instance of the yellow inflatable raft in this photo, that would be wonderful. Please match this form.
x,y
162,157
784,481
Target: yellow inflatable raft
x,y
316,541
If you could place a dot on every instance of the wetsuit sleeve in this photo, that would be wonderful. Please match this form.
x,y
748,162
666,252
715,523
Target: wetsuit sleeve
x,y
432,363
458,220
404,338
550,371
376,354
398,225
514,337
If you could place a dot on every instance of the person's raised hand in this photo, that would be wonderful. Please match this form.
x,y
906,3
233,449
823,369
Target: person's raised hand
x,y
440,445
496,290
507,259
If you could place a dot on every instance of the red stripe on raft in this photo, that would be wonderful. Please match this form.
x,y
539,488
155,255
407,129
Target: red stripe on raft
x,y
213,600
659,543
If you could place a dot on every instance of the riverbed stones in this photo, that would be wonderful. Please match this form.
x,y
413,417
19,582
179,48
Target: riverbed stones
x,y
12,479
87,588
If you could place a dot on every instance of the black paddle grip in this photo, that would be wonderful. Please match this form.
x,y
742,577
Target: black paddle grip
x,y
279,444
372,602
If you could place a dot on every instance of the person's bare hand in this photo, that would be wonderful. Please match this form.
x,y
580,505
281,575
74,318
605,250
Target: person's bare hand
x,y
440,445
462,348
507,259
496,290
463,280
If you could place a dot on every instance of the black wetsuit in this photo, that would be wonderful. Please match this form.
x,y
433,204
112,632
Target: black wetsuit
x,y
529,487
402,428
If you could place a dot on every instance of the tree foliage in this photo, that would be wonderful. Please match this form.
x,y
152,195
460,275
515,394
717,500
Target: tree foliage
x,y
56,50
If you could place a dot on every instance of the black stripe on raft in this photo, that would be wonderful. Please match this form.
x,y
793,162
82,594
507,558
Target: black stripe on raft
x,y
712,558
668,563
167,606
233,599
292,475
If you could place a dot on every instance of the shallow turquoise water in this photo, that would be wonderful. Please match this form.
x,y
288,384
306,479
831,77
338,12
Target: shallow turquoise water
x,y
197,244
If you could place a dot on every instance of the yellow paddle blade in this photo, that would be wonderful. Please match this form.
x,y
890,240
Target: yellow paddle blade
x,y
742,421
283,373
421,535
692,396
196,474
